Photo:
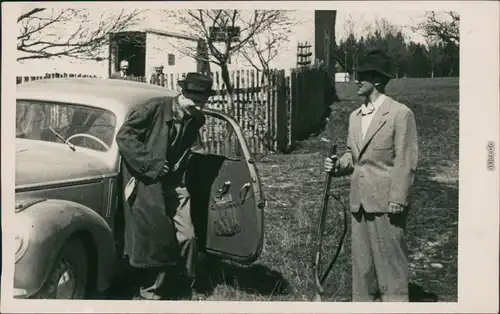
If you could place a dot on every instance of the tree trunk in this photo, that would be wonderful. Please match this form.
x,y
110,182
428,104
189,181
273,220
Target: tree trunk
x,y
333,44
231,110
230,90
325,28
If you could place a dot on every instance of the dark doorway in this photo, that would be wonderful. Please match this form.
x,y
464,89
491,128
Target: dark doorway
x,y
130,46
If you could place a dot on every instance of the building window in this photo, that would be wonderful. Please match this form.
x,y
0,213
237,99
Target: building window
x,y
171,59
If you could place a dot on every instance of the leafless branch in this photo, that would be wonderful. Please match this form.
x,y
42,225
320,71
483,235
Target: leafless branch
x,y
29,13
68,32
261,32
436,29
257,36
265,46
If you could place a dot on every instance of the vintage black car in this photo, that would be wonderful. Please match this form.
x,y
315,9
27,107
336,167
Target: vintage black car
x,y
69,194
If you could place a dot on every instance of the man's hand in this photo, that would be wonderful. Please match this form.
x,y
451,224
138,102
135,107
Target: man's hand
x,y
395,208
332,164
165,170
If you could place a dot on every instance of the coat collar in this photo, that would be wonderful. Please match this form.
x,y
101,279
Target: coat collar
x,y
170,111
170,116
377,122
377,103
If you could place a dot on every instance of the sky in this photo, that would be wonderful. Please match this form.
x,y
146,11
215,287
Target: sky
x,y
303,31
365,18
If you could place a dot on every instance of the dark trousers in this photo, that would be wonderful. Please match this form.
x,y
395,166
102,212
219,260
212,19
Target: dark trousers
x,y
379,257
162,283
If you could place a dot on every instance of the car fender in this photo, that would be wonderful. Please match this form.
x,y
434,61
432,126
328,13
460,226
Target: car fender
x,y
53,222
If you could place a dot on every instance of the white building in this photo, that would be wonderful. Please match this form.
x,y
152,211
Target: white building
x,y
145,49
161,47
342,77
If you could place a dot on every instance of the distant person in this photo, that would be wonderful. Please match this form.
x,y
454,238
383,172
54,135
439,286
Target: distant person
x,y
123,73
158,77
382,153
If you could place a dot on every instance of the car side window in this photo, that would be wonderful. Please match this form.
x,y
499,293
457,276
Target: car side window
x,y
219,138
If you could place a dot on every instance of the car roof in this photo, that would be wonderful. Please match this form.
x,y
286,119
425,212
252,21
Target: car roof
x,y
111,94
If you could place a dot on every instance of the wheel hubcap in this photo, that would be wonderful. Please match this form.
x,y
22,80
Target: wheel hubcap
x,y
66,285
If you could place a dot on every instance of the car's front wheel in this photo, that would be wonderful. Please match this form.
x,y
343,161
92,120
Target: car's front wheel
x,y
68,278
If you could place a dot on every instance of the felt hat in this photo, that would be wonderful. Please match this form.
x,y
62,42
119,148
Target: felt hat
x,y
197,86
375,60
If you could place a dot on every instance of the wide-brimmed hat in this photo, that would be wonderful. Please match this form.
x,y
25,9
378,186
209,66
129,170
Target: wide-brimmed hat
x,y
197,85
375,60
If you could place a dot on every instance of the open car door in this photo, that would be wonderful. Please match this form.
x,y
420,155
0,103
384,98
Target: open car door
x,y
226,193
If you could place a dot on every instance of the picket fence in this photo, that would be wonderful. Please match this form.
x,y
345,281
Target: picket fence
x,y
23,79
274,111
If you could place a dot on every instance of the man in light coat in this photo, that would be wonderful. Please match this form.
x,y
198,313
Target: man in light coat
x,y
382,153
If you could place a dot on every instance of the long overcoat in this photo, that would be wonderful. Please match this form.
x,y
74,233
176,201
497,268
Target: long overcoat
x,y
144,142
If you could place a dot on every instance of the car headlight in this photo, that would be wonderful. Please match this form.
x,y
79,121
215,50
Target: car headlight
x,y
22,235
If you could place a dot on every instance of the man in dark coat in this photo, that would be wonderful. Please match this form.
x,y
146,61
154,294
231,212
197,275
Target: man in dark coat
x,y
154,142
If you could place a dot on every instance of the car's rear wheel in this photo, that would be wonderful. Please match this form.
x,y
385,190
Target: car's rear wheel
x,y
68,278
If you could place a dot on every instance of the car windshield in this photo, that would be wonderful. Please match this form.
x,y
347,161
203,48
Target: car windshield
x,y
84,126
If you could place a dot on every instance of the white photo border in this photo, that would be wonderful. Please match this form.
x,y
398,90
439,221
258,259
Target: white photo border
x,y
478,275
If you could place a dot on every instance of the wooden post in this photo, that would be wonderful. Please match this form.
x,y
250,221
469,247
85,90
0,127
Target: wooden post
x,y
237,113
245,102
254,122
276,117
261,112
293,107
281,113
299,98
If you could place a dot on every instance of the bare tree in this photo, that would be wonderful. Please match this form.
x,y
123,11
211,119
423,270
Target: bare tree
x,y
383,34
440,29
352,34
352,26
54,33
228,33
266,46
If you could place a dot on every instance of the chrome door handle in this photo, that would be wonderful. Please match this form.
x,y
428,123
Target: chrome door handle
x,y
244,190
224,189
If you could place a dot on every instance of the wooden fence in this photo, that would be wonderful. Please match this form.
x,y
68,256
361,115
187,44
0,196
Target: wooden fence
x,y
23,79
274,111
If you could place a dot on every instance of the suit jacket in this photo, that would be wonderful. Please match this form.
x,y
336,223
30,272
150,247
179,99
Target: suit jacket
x,y
383,163
144,143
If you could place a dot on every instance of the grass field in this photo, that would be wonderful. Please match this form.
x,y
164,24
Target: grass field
x,y
293,185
